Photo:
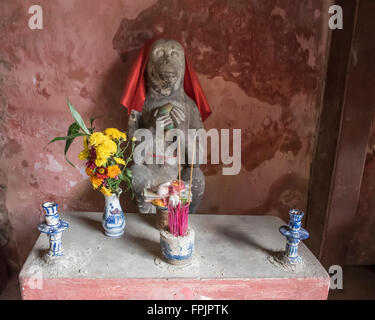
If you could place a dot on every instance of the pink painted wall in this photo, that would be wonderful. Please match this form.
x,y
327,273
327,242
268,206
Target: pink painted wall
x,y
260,64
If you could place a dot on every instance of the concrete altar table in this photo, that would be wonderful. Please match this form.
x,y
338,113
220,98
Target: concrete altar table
x,y
232,260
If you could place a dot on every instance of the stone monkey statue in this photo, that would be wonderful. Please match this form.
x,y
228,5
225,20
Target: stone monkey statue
x,y
165,88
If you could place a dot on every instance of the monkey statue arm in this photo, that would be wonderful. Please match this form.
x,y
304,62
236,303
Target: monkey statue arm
x,y
195,122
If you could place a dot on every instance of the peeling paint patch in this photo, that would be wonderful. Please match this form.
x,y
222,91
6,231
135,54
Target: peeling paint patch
x,y
279,12
82,171
53,165
250,42
309,45
72,183
34,185
11,148
316,14
79,74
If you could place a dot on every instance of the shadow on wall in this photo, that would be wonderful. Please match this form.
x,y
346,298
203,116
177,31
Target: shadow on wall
x,y
285,193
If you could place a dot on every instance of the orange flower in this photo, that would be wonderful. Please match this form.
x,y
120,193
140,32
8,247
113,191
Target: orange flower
x,y
96,182
89,172
113,171
101,173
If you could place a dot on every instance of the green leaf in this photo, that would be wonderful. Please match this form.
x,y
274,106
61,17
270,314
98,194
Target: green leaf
x,y
67,145
70,162
58,138
129,173
91,121
73,129
77,117
67,138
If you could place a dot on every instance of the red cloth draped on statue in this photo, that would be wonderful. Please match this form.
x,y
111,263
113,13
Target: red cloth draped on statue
x,y
135,88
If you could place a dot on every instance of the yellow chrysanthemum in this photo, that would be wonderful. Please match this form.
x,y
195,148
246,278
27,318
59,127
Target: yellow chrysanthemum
x,y
85,144
84,154
106,149
96,182
105,191
99,162
113,171
119,160
115,134
98,138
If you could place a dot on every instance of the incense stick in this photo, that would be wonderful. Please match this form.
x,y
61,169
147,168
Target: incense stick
x,y
191,169
178,214
178,219
179,169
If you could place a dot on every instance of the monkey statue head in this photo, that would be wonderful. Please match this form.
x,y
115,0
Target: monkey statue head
x,y
166,67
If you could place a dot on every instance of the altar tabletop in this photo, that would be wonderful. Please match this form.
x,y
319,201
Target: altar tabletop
x,y
233,259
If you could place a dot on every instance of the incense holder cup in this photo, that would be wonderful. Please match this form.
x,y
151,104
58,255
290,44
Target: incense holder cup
x,y
177,250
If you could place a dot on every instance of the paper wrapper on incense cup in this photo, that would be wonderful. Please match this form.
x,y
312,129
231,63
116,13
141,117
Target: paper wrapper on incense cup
x,y
161,219
177,250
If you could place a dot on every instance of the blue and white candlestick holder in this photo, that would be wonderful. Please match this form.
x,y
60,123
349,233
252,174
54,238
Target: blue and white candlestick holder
x,y
294,234
53,228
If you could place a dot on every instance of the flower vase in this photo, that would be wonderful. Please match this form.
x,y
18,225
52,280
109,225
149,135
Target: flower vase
x,y
113,220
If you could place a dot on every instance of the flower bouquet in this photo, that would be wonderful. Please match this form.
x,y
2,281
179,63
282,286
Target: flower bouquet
x,y
106,167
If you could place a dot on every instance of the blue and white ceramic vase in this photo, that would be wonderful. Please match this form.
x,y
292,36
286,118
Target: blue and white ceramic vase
x,y
113,220
53,228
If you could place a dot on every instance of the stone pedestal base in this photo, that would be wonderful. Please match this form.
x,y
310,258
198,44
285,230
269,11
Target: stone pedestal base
x,y
231,261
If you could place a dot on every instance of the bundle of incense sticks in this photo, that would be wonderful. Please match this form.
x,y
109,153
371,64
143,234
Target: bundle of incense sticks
x,y
178,219
178,216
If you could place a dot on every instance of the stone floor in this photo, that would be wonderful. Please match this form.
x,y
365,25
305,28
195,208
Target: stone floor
x,y
359,283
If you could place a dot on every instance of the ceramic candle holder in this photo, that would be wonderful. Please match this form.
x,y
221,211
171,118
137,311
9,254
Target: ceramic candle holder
x,y
53,228
294,234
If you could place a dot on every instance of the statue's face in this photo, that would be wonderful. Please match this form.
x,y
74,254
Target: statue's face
x,y
166,66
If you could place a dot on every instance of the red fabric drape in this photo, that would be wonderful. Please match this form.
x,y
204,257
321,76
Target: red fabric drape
x,y
135,88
